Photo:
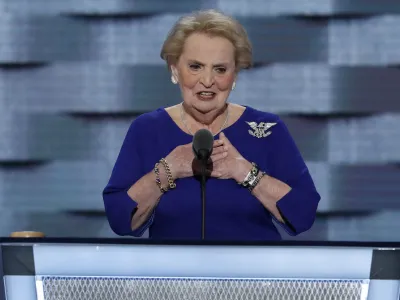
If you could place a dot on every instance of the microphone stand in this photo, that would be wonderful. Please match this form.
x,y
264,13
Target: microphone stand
x,y
202,147
203,158
203,199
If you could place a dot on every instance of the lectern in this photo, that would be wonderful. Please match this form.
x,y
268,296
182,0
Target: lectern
x,y
141,269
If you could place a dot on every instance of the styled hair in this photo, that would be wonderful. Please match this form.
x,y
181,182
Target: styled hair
x,y
214,24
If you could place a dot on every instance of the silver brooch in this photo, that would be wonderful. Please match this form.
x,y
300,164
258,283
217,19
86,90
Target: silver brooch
x,y
260,130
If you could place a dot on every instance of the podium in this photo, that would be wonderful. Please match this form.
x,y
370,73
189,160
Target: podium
x,y
141,269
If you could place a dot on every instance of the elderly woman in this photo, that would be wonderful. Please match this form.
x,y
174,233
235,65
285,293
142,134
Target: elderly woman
x,y
255,173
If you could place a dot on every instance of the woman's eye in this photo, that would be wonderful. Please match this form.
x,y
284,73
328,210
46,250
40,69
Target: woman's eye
x,y
194,67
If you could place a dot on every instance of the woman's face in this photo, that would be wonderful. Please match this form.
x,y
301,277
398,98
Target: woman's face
x,y
205,71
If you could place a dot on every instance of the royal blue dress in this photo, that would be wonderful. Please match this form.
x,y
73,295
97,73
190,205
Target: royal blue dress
x,y
232,212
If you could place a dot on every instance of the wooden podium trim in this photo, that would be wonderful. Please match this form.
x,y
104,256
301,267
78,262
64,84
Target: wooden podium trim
x,y
27,234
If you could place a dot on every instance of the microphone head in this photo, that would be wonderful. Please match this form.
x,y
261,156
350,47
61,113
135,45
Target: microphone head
x,y
203,142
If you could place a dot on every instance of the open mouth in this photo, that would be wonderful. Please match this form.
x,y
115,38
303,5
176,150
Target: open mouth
x,y
206,95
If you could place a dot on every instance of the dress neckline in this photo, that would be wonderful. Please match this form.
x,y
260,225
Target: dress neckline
x,y
238,121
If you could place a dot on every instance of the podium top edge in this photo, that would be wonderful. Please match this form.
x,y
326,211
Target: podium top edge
x,y
133,241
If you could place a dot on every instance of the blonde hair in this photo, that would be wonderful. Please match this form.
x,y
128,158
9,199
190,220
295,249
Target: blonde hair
x,y
213,23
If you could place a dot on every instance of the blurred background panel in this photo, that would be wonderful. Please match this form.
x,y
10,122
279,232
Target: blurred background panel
x,y
74,75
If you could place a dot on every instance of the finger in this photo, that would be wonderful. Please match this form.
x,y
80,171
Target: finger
x,y
219,156
215,173
218,143
220,149
223,137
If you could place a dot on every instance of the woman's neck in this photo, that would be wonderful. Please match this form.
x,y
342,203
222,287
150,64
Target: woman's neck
x,y
214,121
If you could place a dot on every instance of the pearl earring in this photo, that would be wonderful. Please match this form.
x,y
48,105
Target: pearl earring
x,y
233,85
173,79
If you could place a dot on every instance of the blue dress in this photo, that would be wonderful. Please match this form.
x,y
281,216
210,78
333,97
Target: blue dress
x,y
232,212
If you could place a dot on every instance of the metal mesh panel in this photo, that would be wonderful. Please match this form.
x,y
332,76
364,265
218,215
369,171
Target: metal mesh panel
x,y
101,288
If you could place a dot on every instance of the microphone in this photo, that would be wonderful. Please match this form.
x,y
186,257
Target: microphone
x,y
202,145
203,141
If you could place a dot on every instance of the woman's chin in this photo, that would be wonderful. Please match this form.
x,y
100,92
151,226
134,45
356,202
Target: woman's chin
x,y
208,104
205,108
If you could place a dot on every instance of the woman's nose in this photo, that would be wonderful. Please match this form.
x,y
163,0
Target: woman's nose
x,y
207,79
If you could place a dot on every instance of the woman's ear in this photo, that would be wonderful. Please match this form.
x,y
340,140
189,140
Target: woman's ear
x,y
174,73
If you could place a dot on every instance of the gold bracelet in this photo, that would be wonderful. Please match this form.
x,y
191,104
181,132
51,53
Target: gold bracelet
x,y
158,180
171,182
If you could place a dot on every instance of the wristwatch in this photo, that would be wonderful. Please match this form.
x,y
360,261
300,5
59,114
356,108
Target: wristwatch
x,y
251,176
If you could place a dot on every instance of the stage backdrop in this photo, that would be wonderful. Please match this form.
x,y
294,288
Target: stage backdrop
x,y
74,74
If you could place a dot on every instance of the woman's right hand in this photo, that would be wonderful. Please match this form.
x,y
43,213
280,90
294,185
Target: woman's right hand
x,y
181,159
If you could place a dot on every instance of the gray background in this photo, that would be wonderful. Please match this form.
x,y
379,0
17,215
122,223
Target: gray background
x,y
74,74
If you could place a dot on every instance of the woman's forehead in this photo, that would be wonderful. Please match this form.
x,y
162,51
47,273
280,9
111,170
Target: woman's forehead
x,y
204,48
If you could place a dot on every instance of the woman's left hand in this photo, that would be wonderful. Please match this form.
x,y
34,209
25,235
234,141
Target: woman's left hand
x,y
232,166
